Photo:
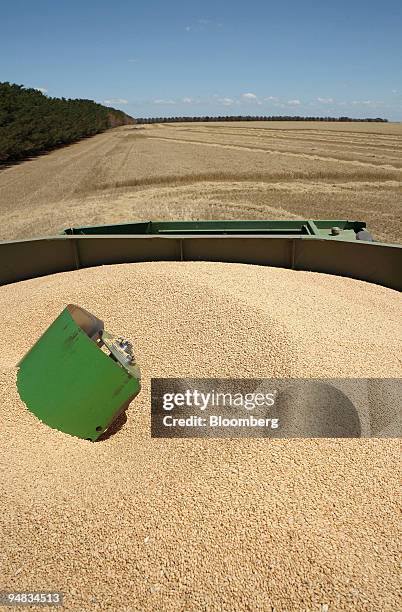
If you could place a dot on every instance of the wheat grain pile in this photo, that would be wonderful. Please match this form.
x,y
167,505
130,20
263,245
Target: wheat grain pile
x,y
134,523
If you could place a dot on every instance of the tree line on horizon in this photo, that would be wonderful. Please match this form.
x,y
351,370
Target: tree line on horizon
x,y
31,122
207,118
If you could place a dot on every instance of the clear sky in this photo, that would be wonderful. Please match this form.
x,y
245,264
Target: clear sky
x,y
164,58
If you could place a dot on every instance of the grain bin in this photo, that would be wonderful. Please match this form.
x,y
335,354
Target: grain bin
x,y
87,389
309,245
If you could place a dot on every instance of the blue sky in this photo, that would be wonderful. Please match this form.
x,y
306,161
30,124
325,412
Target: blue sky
x,y
158,58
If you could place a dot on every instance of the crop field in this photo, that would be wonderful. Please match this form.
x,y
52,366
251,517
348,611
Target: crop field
x,y
242,170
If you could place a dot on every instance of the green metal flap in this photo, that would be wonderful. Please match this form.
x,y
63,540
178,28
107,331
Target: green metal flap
x,y
70,384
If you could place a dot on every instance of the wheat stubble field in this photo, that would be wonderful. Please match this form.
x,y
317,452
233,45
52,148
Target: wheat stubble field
x,y
243,170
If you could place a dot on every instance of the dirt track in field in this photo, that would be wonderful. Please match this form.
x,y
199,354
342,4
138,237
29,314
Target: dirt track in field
x,y
247,170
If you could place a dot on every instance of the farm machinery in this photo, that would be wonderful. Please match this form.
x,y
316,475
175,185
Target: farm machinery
x,y
78,378
340,247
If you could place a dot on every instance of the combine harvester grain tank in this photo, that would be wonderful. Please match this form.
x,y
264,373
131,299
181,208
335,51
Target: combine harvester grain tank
x,y
340,247
93,374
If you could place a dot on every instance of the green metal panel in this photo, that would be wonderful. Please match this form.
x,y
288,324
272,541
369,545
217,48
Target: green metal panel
x,y
270,227
194,227
70,384
322,228
249,227
117,228
30,258
369,261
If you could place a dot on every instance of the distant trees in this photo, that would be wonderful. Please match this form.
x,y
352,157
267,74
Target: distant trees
x,y
251,118
31,122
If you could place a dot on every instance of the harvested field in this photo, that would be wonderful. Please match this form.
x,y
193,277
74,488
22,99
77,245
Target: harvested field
x,y
134,523
240,170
